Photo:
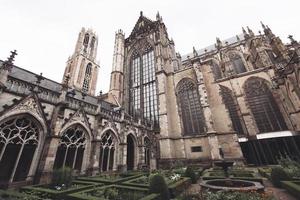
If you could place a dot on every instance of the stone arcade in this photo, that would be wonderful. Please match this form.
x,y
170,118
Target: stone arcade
x,y
241,95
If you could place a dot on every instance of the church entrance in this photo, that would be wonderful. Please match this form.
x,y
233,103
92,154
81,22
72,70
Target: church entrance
x,y
19,139
130,152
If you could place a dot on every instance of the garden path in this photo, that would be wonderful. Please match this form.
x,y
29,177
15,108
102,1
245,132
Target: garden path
x,y
279,193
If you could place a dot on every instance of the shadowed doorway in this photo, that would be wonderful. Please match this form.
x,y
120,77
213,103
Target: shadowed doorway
x,y
130,153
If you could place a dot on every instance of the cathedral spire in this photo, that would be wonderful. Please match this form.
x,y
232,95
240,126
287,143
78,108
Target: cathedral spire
x,y
250,31
82,67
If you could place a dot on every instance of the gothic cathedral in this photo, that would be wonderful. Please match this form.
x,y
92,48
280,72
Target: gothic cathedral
x,y
237,99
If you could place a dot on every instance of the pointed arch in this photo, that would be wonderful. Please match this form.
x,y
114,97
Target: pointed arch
x,y
142,82
87,78
21,142
263,106
216,70
108,150
233,109
74,147
189,107
147,146
237,62
131,151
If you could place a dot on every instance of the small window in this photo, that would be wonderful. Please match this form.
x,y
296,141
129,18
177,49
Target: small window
x,y
196,149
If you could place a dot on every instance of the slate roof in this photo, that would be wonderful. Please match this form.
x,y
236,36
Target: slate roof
x,y
210,48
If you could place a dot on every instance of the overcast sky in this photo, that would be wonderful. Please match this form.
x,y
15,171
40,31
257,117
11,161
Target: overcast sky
x,y
45,32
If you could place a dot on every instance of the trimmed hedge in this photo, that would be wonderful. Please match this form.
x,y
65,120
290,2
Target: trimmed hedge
x,y
292,187
265,172
81,196
58,194
100,179
277,175
13,195
179,186
151,197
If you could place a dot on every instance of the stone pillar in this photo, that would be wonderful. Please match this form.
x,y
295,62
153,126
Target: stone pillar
x,y
214,147
95,165
48,158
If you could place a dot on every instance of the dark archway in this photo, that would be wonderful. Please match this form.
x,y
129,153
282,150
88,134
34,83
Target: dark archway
x,y
19,138
130,152
147,156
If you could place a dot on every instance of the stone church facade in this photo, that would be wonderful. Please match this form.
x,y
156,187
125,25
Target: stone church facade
x,y
239,96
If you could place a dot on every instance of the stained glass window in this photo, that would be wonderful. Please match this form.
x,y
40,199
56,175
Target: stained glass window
x,y
190,109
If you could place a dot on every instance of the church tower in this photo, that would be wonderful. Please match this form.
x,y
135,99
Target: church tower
x,y
116,79
82,67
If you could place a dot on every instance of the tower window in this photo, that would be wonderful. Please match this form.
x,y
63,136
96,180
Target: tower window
x,y
189,107
86,41
87,78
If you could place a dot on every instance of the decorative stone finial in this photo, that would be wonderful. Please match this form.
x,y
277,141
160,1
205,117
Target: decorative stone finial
x,y
141,13
7,65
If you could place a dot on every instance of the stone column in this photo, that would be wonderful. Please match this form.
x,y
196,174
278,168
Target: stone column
x,y
95,165
48,158
214,147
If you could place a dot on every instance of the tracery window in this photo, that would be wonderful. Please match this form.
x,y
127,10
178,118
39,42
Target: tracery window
x,y
86,41
71,148
19,139
93,42
87,78
189,107
143,98
232,107
147,145
107,151
237,63
263,106
216,70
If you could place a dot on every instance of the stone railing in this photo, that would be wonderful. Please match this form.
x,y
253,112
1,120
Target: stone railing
x,y
25,88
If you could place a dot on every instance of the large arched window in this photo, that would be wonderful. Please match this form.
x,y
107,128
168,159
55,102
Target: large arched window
x,y
71,148
87,78
19,139
232,107
216,70
107,151
264,108
237,63
190,109
143,98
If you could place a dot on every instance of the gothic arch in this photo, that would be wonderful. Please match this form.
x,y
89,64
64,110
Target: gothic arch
x,y
216,69
189,107
132,151
265,110
75,146
116,135
147,150
109,145
233,109
237,61
142,90
21,141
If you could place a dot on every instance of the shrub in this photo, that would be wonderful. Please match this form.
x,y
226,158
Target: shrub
x,y
62,177
291,166
278,174
158,185
226,195
189,172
